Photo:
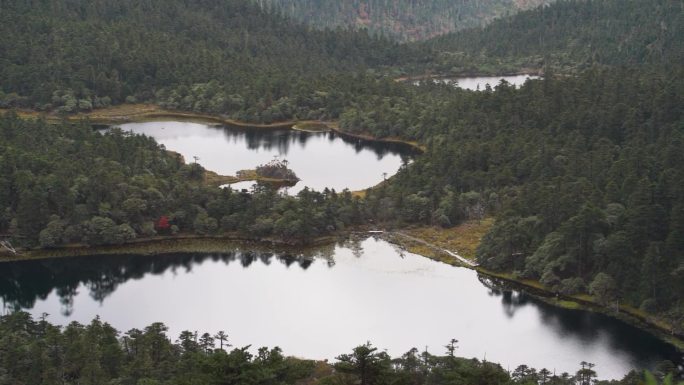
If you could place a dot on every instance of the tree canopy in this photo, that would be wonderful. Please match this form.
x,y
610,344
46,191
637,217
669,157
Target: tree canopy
x,y
36,352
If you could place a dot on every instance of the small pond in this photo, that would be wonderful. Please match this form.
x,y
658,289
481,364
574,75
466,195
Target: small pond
x,y
479,83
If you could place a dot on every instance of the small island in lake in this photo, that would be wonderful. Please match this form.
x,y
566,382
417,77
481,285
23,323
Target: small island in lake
x,y
277,169
274,172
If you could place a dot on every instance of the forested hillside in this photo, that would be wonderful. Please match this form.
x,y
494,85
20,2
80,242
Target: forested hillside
x,y
222,56
572,34
582,170
399,19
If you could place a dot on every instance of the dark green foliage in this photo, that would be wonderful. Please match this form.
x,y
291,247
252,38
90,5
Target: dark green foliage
x,y
219,56
603,287
571,34
583,173
69,184
400,19
277,169
40,353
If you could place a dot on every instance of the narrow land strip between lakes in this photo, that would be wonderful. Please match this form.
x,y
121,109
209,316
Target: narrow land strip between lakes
x,y
136,113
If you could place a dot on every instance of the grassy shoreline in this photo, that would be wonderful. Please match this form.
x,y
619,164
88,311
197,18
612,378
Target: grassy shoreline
x,y
157,245
214,179
131,113
443,239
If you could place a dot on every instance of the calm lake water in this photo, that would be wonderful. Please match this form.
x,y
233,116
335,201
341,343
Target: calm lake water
x,y
320,160
321,303
479,83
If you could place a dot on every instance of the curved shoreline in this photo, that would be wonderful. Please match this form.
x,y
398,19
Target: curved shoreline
x,y
466,74
187,243
625,313
412,144
197,243
651,324
134,113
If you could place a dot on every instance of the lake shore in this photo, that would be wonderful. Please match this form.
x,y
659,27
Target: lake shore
x,y
191,243
469,74
628,314
134,113
434,243
181,243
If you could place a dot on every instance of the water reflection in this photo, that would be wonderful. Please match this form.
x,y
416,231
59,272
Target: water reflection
x,y
320,160
586,327
283,140
480,83
319,303
23,283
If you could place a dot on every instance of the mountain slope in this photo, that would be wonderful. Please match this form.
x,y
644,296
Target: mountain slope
x,y
401,19
81,54
578,32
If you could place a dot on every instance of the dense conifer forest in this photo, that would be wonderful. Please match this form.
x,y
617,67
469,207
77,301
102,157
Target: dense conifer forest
x,y
226,57
570,35
583,174
64,184
38,352
399,19
581,170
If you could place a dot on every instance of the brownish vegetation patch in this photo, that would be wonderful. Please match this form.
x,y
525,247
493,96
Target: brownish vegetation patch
x,y
462,239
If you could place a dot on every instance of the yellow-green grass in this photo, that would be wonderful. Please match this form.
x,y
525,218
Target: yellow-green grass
x,y
311,126
359,194
126,113
567,304
213,179
462,239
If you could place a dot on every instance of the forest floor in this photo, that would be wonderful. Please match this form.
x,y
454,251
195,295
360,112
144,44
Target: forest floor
x,y
462,239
